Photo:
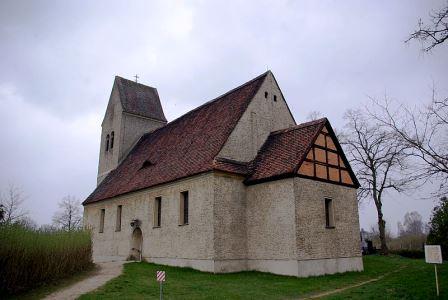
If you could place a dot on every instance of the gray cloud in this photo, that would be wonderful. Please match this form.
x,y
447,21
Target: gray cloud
x,y
58,60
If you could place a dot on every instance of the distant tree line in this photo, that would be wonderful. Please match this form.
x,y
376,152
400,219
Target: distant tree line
x,y
67,218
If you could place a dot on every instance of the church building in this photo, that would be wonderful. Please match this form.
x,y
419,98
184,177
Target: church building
x,y
232,185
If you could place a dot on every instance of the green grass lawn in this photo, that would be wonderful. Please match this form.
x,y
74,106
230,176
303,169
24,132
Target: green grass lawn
x,y
412,279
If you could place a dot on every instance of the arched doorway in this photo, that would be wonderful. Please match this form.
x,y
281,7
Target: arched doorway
x,y
136,244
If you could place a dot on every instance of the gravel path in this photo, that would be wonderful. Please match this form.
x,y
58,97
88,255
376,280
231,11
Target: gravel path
x,y
106,272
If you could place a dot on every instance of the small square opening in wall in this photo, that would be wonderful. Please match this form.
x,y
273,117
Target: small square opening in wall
x,y
275,98
329,215
266,95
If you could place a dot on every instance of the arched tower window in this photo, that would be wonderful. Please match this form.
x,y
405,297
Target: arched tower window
x,y
112,140
107,143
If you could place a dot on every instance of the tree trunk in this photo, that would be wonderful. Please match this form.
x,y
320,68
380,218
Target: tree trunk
x,y
382,229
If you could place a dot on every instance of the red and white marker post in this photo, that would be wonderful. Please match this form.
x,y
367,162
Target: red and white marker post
x,y
160,275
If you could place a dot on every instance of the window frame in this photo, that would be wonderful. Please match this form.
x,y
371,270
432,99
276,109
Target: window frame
x,y
118,220
157,208
112,138
184,208
102,218
329,213
107,142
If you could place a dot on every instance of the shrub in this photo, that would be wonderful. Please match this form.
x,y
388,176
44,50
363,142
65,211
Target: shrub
x,y
30,258
409,253
438,232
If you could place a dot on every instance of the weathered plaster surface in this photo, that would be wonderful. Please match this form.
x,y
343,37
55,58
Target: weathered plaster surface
x,y
314,240
127,128
262,116
276,226
111,122
133,127
271,221
229,211
193,241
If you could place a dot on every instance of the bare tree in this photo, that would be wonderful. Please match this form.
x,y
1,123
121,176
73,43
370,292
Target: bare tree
x,y
27,222
47,228
435,33
413,224
69,215
379,161
11,203
314,115
424,131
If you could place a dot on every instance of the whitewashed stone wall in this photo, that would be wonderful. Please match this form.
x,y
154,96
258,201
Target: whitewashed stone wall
x,y
127,128
189,245
111,122
133,127
229,210
262,116
322,250
276,226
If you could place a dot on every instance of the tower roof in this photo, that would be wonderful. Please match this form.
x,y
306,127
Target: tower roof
x,y
139,99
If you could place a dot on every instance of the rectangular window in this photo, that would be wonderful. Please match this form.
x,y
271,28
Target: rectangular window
x,y
329,218
102,214
183,213
157,211
118,221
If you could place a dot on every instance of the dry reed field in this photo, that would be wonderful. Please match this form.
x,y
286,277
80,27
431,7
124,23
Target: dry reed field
x,y
30,258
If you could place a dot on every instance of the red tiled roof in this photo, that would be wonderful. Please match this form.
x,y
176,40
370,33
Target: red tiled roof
x,y
231,166
139,99
184,147
284,150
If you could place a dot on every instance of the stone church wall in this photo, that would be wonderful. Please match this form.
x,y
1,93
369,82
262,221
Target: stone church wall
x,y
320,249
188,245
229,210
112,122
276,226
262,116
133,127
271,226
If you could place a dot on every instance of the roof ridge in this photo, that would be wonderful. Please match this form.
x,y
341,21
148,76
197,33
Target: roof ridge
x,y
223,95
299,126
208,103
133,82
231,161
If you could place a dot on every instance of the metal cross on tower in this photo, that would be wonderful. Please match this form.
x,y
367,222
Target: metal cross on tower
x,y
136,77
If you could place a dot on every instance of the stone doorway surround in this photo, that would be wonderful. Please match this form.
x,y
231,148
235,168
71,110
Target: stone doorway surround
x,y
136,245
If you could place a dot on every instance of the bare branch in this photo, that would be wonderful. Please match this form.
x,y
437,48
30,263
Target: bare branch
x,y
433,34
424,133
11,203
69,216
379,160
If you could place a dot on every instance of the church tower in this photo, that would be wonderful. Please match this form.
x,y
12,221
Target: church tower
x,y
133,110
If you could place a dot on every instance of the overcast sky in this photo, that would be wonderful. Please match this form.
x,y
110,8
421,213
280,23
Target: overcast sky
x,y
58,60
